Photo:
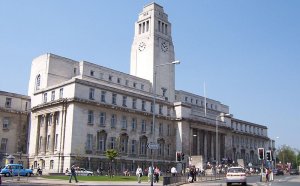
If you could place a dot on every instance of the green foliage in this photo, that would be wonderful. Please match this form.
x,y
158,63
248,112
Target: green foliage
x,y
111,154
286,154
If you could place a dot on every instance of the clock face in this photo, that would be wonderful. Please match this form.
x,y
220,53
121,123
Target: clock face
x,y
164,47
142,46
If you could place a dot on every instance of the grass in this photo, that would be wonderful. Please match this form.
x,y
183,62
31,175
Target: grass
x,y
99,178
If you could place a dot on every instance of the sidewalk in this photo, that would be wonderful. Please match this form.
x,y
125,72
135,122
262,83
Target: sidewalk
x,y
43,181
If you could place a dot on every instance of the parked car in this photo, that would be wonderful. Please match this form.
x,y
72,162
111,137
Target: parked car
x,y
236,175
81,172
294,172
278,172
15,170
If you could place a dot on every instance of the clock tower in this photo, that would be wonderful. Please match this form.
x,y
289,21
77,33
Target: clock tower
x,y
151,48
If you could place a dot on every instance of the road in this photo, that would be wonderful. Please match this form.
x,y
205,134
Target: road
x,y
286,180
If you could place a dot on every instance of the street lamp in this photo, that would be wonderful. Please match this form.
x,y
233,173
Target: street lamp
x,y
153,109
217,136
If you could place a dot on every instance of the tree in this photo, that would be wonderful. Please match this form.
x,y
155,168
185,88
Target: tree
x,y
111,154
287,155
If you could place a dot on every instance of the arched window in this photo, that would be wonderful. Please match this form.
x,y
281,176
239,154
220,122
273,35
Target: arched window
x,y
38,82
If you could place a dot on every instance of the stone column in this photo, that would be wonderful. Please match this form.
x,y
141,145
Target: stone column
x,y
52,133
205,146
38,134
44,134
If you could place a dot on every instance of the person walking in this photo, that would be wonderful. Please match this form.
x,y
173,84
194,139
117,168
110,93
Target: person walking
x,y
150,172
73,173
173,171
139,173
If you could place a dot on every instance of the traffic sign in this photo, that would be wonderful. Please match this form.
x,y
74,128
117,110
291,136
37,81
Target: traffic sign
x,y
152,146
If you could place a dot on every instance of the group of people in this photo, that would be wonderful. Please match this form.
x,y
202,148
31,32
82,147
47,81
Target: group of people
x,y
151,172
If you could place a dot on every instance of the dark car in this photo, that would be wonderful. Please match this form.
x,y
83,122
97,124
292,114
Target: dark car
x,y
294,172
278,172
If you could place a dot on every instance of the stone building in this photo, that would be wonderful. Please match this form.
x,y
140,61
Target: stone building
x,y
14,120
80,109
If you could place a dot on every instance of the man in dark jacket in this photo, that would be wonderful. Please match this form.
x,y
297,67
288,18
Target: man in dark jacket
x,y
73,173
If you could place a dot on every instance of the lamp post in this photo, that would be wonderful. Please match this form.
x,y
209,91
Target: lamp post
x,y
217,136
153,110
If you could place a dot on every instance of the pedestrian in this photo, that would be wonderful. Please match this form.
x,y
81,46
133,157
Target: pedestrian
x,y
156,174
173,171
139,173
267,175
73,173
150,172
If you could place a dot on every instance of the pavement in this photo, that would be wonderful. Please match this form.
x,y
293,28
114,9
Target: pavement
x,y
13,181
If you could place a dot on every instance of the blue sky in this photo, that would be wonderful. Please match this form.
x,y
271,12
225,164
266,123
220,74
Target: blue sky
x,y
247,52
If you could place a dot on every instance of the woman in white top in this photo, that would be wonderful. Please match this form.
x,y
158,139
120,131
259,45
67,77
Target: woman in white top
x,y
139,173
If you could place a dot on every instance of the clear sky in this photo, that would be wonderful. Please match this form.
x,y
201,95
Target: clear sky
x,y
247,52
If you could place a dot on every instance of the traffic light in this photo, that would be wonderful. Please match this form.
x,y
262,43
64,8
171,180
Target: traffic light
x,y
178,156
261,153
269,155
182,156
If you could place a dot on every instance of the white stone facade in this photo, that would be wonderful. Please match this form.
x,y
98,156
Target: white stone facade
x,y
14,120
80,109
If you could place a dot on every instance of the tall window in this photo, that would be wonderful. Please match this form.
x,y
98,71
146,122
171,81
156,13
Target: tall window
x,y
89,142
168,111
161,129
133,124
113,120
61,93
56,118
124,122
48,142
52,95
124,143
114,99
3,144
143,146
143,125
5,123
134,103
103,93
168,149
8,103
161,148
124,101
151,129
56,141
92,94
151,108
102,118
38,82
112,143
160,109
102,141
45,98
143,105
168,130
51,164
133,144
90,117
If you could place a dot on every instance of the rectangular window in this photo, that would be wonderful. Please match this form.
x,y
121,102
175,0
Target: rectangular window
x,y
127,82
56,141
92,73
75,71
89,142
92,94
140,28
3,144
52,95
160,109
48,142
147,26
143,105
124,101
151,109
49,119
160,129
159,26
102,118
110,77
61,93
124,122
102,143
5,123
103,93
90,117
56,118
133,124
45,98
112,142
134,103
26,106
113,121
133,144
8,103
168,111
168,130
119,80
143,125
134,84
114,99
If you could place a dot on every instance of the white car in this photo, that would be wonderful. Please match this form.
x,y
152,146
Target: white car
x,y
236,175
81,172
